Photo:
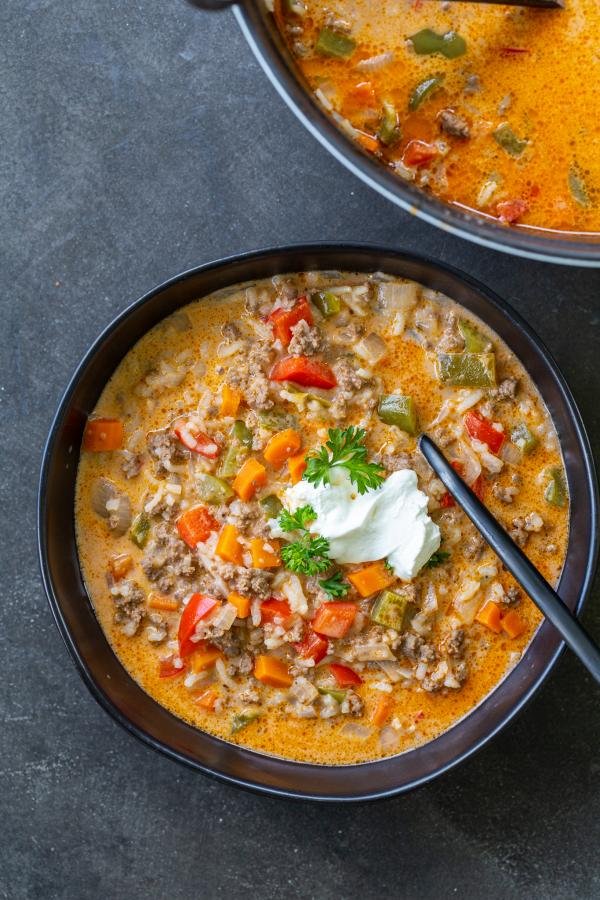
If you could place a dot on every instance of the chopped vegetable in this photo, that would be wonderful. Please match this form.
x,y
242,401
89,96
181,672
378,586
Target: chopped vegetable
x,y
271,506
281,446
313,646
490,615
159,601
196,440
578,188
275,611
304,371
167,669
229,547
276,420
393,609
523,438
481,429
373,578
467,369
335,585
230,401
344,448
508,140
211,489
241,603
283,320
451,45
334,619
344,675
335,43
299,520
556,489
195,525
196,609
242,720
103,435
398,410
204,657
475,341
208,699
327,303
419,153
240,432
437,559
307,556
297,467
338,696
232,460
120,565
265,554
510,211
389,127
251,476
382,711
140,530
424,90
512,624
272,671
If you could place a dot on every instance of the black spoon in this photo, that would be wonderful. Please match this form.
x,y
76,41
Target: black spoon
x,y
540,4
535,585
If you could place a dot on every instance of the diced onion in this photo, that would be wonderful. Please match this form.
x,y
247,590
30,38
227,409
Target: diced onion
x,y
354,730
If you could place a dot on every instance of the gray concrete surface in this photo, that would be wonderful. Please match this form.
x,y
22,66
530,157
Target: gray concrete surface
x,y
139,139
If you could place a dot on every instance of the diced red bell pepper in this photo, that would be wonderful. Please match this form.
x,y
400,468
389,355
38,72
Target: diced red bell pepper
x,y
344,675
419,153
312,646
197,608
477,487
196,441
283,320
272,609
195,525
481,429
334,619
166,669
304,371
510,211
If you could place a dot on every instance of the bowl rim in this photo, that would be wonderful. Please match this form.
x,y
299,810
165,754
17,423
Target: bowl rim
x,y
530,243
263,256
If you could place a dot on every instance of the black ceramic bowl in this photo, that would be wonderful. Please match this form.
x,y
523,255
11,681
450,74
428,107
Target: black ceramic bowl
x,y
140,714
258,26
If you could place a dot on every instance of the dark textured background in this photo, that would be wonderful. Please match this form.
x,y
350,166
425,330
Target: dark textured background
x,y
138,139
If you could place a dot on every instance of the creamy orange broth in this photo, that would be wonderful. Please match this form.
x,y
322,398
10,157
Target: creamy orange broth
x,y
417,716
536,71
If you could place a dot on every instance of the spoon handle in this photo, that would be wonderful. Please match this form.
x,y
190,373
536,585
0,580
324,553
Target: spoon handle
x,y
535,585
539,4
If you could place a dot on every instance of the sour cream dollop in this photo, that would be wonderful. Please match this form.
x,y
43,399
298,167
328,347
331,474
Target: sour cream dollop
x,y
388,522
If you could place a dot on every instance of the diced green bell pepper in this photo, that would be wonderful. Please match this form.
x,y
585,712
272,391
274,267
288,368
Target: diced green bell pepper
x,y
424,90
338,695
578,188
451,45
271,506
523,438
140,530
276,420
399,410
241,720
389,127
242,433
467,369
392,609
508,140
556,489
335,43
327,303
475,342
212,490
231,461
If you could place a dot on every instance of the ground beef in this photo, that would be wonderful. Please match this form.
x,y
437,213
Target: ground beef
x,y
242,664
166,449
231,332
443,435
518,532
248,696
349,387
247,517
349,334
352,704
455,643
415,648
474,546
512,596
431,685
451,339
533,522
395,462
504,494
167,560
451,123
250,376
506,390
251,582
129,603
306,341
132,463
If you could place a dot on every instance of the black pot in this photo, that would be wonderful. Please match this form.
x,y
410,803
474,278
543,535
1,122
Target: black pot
x,y
258,26
121,696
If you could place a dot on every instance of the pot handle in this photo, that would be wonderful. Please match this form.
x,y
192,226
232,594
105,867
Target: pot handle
x,y
212,5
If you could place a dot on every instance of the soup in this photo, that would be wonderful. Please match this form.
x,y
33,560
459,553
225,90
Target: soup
x,y
268,553
489,108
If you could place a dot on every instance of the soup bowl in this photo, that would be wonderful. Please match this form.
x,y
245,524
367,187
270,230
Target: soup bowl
x,y
100,668
259,28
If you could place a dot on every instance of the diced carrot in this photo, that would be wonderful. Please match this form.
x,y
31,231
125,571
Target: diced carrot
x,y
230,401
102,435
367,141
374,577
251,476
513,624
359,97
272,671
281,446
265,554
242,604
490,615
205,657
195,525
120,565
159,601
419,153
207,699
229,547
510,211
297,467
382,711
334,619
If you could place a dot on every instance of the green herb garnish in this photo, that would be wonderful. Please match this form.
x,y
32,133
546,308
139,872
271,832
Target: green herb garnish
x,y
344,448
298,520
437,559
335,585
307,556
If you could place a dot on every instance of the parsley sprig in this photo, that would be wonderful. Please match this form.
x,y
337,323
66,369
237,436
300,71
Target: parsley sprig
x,y
335,585
344,448
298,520
437,559
309,555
